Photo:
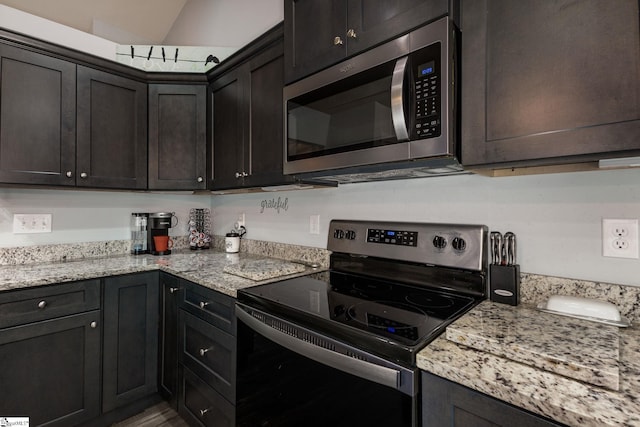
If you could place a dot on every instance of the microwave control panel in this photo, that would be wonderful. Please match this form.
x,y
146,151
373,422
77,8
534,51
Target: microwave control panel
x,y
427,92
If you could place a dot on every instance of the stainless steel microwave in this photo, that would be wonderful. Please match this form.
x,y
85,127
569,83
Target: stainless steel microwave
x,y
387,113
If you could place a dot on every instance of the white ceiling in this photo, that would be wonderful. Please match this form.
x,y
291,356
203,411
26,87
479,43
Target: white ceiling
x,y
121,21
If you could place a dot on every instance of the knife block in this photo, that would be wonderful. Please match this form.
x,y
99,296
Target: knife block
x,y
504,284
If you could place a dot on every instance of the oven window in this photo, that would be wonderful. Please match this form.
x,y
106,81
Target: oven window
x,y
351,114
278,387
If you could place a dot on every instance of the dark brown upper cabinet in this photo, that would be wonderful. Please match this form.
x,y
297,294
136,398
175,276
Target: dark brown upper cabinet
x,y
111,131
320,33
177,137
247,121
37,118
548,83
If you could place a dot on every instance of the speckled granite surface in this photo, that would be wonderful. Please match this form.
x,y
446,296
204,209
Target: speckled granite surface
x,y
88,250
263,269
510,356
203,267
585,351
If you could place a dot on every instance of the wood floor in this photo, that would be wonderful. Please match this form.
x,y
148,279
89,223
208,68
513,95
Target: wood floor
x,y
158,415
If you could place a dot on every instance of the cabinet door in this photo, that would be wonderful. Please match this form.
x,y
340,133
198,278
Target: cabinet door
x,y
112,131
229,128
310,31
37,118
177,137
50,370
266,136
445,403
371,22
130,364
549,82
168,363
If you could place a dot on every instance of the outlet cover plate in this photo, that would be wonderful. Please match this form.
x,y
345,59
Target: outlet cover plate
x,y
620,238
31,223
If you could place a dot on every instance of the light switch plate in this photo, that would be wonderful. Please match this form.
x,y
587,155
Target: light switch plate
x,y
31,223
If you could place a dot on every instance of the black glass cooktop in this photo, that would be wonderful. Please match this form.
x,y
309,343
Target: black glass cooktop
x,y
376,314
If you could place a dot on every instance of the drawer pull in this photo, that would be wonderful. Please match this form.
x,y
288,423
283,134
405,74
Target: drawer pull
x,y
203,351
93,324
204,304
42,304
204,411
174,290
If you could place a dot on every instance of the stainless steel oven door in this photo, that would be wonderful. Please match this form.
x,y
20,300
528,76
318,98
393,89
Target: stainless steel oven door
x,y
291,376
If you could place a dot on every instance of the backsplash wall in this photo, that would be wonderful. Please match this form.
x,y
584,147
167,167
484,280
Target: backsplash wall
x,y
88,216
557,217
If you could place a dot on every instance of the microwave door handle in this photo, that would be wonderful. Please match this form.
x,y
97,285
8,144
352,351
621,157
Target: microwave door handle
x,y
397,101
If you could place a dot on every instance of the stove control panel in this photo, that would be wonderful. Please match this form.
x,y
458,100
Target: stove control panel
x,y
450,245
392,237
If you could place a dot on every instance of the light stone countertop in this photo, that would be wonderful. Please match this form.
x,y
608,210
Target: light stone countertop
x,y
205,268
574,371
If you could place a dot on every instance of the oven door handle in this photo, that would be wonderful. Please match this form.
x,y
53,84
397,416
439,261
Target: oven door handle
x,y
397,100
363,369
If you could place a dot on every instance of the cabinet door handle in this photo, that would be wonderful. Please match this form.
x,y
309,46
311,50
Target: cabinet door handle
x,y
203,351
200,179
83,175
352,33
174,290
204,304
93,324
204,411
42,304
337,41
69,174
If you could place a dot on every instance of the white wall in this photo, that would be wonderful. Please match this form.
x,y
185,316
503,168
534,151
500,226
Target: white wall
x,y
225,23
34,26
557,217
88,216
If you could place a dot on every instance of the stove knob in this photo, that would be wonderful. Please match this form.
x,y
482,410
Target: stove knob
x,y
350,234
459,244
338,234
339,310
439,242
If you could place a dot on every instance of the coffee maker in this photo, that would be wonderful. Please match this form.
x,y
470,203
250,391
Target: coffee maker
x,y
159,224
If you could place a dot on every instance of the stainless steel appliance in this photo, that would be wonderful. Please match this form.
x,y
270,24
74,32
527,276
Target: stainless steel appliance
x,y
159,224
339,347
389,112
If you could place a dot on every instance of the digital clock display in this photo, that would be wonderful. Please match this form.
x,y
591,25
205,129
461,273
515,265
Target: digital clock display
x,y
427,69
392,237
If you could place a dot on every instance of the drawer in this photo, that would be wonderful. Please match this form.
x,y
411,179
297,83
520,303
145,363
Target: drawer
x,y
209,305
200,405
47,302
208,352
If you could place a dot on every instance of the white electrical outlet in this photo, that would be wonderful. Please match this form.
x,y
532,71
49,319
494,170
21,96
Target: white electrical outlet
x,y
31,223
620,238
314,224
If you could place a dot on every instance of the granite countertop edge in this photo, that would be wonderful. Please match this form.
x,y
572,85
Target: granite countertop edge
x,y
549,394
202,268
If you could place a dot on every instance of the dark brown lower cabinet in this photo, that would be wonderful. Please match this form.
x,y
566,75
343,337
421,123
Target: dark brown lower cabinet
x,y
207,356
130,352
50,370
448,404
168,356
201,405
